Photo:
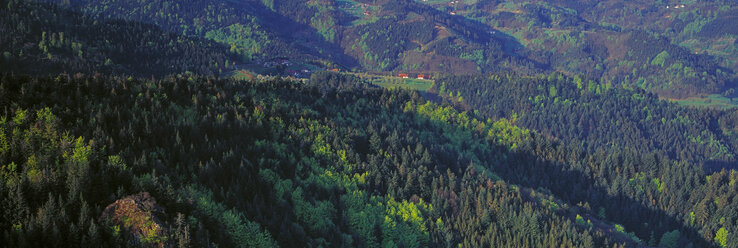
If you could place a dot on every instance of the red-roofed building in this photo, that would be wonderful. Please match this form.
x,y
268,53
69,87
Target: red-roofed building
x,y
403,75
422,76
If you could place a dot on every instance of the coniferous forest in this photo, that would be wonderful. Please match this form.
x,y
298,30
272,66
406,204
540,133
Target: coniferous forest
x,y
287,123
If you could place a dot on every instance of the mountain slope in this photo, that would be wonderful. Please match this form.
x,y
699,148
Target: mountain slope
x,y
269,158
676,52
251,30
286,168
45,39
598,116
422,39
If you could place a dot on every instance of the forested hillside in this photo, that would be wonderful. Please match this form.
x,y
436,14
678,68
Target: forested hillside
x,y
421,39
232,162
599,116
674,48
46,39
677,50
247,27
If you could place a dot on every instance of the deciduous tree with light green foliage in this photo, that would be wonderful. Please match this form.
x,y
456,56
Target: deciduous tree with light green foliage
x,y
244,40
721,237
580,220
660,59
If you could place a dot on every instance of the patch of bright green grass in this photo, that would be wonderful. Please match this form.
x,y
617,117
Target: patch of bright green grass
x,y
711,101
392,82
411,84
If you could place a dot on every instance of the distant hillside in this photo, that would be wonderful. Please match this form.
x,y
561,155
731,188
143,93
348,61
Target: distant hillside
x,y
408,36
45,39
674,49
378,36
668,47
247,27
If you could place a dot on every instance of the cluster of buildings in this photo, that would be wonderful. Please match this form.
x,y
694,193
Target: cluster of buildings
x,y
676,6
418,76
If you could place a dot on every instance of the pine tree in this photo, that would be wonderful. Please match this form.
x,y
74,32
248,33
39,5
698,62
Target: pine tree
x,y
721,237
652,239
182,234
94,235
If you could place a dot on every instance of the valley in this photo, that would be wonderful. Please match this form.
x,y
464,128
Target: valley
x,y
357,123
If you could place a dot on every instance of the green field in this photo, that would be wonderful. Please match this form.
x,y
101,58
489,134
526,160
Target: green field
x,y
412,84
357,10
396,82
710,101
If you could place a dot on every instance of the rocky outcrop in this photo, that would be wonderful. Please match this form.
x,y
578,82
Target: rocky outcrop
x,y
135,218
